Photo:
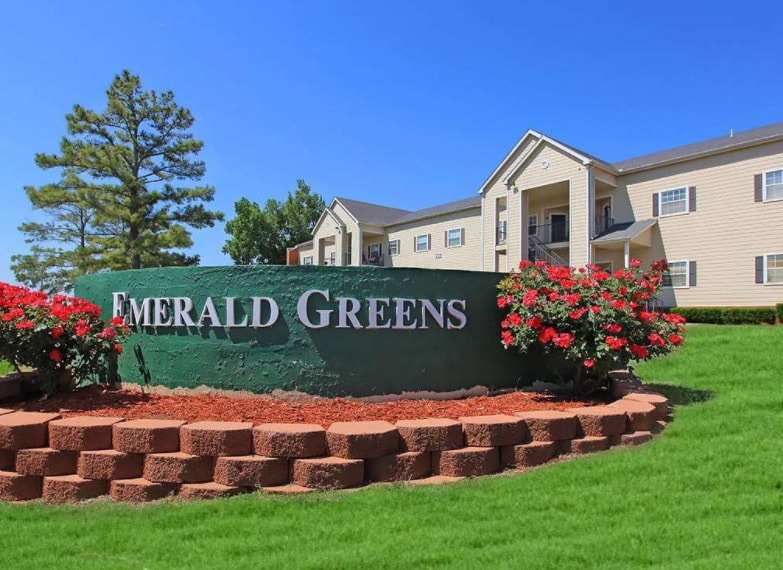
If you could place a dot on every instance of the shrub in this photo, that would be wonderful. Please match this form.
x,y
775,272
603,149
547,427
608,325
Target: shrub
x,y
592,320
62,337
727,315
779,312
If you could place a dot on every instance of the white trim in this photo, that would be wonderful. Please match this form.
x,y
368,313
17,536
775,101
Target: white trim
x,y
776,284
448,231
337,201
764,187
416,243
483,231
388,247
687,263
590,211
328,210
687,202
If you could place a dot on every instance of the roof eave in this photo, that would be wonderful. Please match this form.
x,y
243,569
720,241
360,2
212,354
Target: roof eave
x,y
703,154
465,209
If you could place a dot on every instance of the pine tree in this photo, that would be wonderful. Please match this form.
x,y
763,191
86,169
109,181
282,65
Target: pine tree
x,y
120,193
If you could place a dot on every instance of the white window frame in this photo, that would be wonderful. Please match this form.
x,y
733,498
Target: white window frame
x,y
307,260
687,201
396,244
764,197
766,273
459,237
533,217
687,274
417,249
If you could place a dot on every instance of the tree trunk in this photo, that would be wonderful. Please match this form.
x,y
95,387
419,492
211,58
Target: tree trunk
x,y
577,386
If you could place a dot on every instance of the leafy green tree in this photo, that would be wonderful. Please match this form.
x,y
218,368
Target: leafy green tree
x,y
131,163
262,236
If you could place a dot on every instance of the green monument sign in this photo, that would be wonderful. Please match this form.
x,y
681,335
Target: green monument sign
x,y
322,330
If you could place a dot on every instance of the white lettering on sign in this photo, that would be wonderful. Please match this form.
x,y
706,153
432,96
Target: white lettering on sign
x,y
315,308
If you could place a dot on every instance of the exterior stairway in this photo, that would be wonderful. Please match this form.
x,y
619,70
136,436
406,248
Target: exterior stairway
x,y
539,251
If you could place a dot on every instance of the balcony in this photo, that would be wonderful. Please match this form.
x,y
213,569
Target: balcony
x,y
373,259
500,233
550,233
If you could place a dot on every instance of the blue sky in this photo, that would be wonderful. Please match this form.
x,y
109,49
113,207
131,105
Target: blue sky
x,y
407,104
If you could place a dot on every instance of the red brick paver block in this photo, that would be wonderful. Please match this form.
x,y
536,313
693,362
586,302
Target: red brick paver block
x,y
431,434
327,473
640,414
109,464
631,438
85,433
582,445
527,454
466,462
289,440
177,467
600,421
362,440
550,425
399,466
7,460
45,461
288,490
251,471
660,402
217,438
140,490
657,427
21,430
435,480
494,430
16,487
146,436
209,490
72,489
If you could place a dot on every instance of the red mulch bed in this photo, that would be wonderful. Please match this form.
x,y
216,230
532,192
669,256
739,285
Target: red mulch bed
x,y
100,401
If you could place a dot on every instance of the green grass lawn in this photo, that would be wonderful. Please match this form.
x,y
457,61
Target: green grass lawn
x,y
708,493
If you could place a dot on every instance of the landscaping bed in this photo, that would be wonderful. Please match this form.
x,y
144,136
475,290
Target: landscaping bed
x,y
132,404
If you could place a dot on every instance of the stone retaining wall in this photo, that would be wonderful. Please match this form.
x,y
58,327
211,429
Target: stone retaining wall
x,y
79,458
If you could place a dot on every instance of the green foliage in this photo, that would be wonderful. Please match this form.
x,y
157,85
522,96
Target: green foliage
x,y
588,318
727,315
262,236
120,203
779,312
62,337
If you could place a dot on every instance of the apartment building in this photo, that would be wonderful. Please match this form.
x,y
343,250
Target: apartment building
x,y
713,210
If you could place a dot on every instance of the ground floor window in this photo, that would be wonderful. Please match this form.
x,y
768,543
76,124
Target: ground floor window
x,y
394,247
773,270
307,260
677,275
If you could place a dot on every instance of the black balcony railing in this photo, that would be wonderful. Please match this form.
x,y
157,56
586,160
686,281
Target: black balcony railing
x,y
500,233
374,259
603,223
549,233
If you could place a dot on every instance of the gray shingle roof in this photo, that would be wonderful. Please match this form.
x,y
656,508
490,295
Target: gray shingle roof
x,y
628,230
366,213
457,206
761,134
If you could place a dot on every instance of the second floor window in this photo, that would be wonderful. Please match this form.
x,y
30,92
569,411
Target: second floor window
x,y
674,201
454,237
501,233
422,242
532,224
773,185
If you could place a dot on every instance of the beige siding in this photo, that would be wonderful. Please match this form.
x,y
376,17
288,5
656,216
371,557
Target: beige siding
x,y
305,251
561,167
466,256
725,233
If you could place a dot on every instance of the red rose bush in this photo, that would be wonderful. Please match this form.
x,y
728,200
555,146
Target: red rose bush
x,y
62,337
592,320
